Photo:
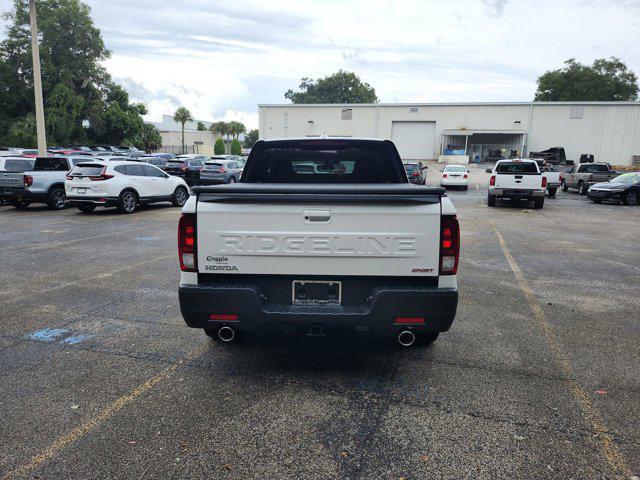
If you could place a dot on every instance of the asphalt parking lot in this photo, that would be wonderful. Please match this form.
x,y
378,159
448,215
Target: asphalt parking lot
x,y
537,378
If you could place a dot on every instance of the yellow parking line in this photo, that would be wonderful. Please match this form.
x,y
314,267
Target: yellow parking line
x,y
106,413
589,411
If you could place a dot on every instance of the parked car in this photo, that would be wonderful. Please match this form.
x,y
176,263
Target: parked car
x,y
166,156
516,180
624,188
187,167
272,251
584,175
554,177
414,173
153,160
220,171
43,184
124,185
455,176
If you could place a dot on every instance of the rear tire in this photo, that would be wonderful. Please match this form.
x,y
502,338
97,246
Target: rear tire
x,y
596,200
232,180
21,204
426,339
179,197
583,188
86,207
538,203
631,198
127,202
552,192
491,200
56,200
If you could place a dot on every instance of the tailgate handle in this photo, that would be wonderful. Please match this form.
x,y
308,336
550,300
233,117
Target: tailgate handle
x,y
519,176
316,216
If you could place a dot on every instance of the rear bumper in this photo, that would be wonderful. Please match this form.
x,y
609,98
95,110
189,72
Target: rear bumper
x,y
211,181
21,193
436,305
107,201
517,194
604,195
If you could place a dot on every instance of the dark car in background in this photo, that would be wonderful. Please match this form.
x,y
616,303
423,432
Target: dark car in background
x,y
414,173
153,160
220,170
187,167
624,188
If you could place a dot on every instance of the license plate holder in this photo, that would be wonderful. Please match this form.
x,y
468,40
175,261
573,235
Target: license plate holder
x,y
82,190
316,292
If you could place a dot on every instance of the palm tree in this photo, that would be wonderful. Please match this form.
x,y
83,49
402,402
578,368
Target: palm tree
x,y
237,128
182,116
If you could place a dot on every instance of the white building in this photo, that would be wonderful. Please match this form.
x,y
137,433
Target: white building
x,y
608,130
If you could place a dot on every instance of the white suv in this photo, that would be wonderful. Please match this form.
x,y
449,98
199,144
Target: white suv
x,y
123,184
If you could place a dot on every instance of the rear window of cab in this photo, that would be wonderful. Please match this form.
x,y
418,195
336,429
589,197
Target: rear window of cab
x,y
522,168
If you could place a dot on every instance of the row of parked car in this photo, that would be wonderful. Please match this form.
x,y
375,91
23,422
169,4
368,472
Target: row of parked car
x,y
112,178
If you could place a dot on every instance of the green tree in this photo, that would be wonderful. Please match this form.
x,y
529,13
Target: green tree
x,y
218,147
151,139
23,131
341,87
201,127
76,87
251,138
605,80
182,116
236,147
236,128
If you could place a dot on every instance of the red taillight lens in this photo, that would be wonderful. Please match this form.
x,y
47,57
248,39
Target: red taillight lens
x,y
561,178
28,180
444,175
102,176
222,170
492,181
465,176
187,242
185,168
449,245
544,182
69,177
415,174
223,317
409,320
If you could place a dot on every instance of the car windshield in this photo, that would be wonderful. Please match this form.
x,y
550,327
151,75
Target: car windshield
x,y
627,178
455,169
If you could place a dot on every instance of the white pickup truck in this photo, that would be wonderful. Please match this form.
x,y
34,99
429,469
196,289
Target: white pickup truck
x,y
516,179
349,245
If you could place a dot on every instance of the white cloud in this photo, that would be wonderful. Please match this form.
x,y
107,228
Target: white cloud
x,y
221,59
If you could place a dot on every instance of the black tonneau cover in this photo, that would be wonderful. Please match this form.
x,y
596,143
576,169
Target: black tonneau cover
x,y
319,193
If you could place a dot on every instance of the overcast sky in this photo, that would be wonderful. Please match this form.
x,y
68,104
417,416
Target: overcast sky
x,y
221,59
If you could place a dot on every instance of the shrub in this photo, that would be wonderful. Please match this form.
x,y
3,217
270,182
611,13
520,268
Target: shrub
x,y
218,147
236,148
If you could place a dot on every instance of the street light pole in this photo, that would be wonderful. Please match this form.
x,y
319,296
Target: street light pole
x,y
37,81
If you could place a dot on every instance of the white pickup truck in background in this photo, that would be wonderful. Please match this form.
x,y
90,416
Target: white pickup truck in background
x,y
349,245
516,179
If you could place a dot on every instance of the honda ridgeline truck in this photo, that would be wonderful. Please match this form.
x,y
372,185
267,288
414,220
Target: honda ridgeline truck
x,y
320,236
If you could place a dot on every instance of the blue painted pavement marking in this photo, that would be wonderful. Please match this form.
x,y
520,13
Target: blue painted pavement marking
x,y
62,334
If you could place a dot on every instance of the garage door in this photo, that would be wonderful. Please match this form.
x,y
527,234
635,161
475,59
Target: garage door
x,y
414,140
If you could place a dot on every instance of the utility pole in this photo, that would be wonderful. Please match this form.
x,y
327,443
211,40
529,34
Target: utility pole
x,y
37,81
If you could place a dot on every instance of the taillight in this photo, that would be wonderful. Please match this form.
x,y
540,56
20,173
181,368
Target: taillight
x,y
465,176
544,182
102,176
561,177
185,168
69,177
28,180
444,175
415,174
222,170
492,181
449,245
187,242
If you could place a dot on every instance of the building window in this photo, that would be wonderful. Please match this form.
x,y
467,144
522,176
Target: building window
x,y
347,114
577,111
414,109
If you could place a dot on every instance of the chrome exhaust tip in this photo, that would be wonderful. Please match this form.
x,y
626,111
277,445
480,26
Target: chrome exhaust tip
x,y
406,338
226,334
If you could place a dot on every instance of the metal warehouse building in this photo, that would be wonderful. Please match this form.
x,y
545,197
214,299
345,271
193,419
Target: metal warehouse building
x,y
422,131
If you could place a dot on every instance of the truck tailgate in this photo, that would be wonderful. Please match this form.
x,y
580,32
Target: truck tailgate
x,y
518,181
339,232
9,180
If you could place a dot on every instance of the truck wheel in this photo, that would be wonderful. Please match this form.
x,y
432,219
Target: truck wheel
x,y
127,202
583,187
86,207
491,200
179,197
552,192
538,203
564,186
232,180
56,199
631,198
21,204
